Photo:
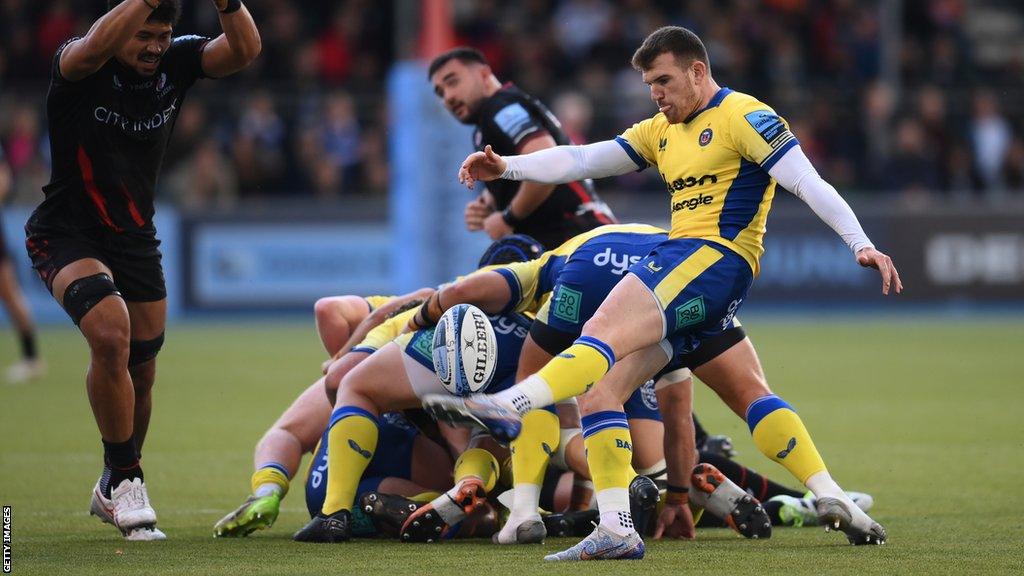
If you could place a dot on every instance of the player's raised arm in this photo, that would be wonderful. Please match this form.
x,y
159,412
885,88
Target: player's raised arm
x,y
88,54
549,166
795,173
238,46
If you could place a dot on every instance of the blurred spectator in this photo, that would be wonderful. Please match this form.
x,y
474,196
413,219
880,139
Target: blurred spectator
x,y
204,180
990,138
912,170
259,147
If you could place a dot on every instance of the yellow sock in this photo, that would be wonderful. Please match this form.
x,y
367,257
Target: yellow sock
x,y
479,463
780,435
532,450
351,441
424,497
609,450
575,370
270,473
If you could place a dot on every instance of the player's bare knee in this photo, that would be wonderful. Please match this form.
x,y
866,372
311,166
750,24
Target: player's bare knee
x,y
327,310
109,344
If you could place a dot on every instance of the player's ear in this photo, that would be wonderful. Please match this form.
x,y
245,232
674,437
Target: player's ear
x,y
699,70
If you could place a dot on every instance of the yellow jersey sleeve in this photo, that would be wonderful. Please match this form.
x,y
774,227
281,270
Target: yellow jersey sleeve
x,y
759,134
377,301
523,278
642,139
385,332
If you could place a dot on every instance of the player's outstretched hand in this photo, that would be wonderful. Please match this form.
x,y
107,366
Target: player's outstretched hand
x,y
871,258
675,521
483,166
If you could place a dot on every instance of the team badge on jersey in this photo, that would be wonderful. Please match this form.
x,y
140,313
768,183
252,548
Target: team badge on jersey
x,y
705,137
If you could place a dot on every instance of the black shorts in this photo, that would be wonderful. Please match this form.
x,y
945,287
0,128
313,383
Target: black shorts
x,y
134,258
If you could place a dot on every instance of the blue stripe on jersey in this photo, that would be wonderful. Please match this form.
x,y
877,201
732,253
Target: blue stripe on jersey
x,y
778,154
742,199
513,287
638,159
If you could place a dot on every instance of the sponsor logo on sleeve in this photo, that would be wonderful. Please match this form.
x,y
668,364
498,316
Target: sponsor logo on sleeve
x,y
770,127
515,121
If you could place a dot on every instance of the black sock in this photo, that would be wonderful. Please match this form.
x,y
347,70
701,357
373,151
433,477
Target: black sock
x,y
759,486
772,508
121,462
699,431
28,345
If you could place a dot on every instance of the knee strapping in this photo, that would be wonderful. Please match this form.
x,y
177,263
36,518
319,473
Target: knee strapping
x,y
85,293
142,351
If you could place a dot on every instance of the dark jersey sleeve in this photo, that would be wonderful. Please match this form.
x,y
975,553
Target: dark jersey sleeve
x,y
57,80
507,125
184,59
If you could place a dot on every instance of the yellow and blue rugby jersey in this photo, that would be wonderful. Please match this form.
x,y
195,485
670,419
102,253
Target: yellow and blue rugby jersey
x,y
715,165
532,282
385,332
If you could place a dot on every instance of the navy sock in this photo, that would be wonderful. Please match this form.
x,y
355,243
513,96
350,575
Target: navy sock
x,y
121,462
28,345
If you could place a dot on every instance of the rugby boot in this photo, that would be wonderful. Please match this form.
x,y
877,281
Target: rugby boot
x,y
327,529
602,544
503,422
578,523
428,524
643,500
388,512
860,529
254,514
723,498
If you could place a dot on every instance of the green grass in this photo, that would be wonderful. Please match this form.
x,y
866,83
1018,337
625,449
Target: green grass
x,y
925,415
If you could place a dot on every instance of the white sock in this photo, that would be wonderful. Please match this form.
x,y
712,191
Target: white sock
x,y
267,489
822,484
613,504
529,394
525,499
448,510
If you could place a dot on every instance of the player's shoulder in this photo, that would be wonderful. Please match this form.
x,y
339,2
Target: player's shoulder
x,y
508,108
739,104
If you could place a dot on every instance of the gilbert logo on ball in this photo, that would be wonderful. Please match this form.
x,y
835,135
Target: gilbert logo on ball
x,y
464,350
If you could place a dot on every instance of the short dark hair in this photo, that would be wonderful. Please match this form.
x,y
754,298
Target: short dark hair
x,y
168,12
464,54
681,42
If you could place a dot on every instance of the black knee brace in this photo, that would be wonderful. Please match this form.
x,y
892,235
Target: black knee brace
x,y
142,351
551,340
86,292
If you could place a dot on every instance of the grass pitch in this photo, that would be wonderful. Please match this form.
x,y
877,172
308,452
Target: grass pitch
x,y
923,414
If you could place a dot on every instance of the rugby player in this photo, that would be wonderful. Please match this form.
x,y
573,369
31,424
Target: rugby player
x,y
30,366
114,96
513,122
302,427
720,154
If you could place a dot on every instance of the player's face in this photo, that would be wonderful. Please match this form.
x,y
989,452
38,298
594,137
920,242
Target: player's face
x,y
142,53
461,88
673,88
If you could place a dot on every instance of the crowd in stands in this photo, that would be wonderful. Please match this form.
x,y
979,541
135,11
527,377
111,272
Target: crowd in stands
x,y
923,120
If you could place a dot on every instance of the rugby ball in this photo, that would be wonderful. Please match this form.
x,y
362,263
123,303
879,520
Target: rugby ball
x,y
464,350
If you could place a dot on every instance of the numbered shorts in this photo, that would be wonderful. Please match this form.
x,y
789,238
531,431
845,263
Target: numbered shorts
x,y
698,284
392,459
583,283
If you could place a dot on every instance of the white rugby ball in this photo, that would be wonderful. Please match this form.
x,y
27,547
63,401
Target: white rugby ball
x,y
464,350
